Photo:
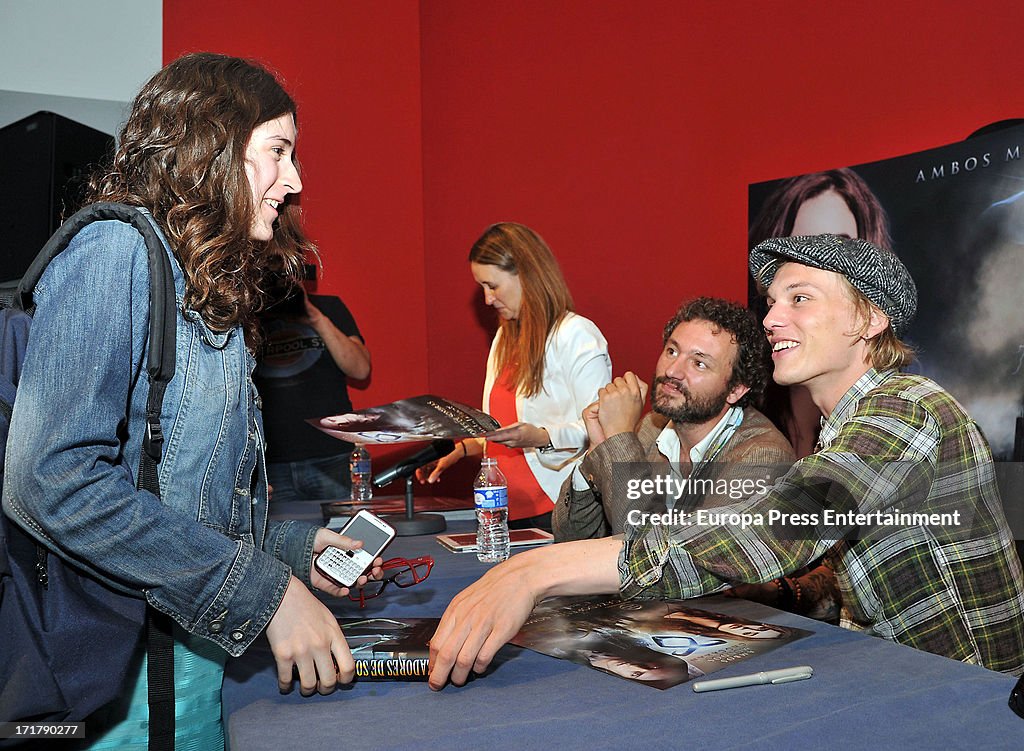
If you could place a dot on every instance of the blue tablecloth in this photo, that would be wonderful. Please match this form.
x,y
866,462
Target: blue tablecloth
x,y
865,693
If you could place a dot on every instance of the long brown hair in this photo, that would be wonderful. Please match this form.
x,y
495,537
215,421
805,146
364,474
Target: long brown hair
x,y
517,249
181,155
778,215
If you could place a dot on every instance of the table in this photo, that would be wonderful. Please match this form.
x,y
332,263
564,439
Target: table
x,y
865,693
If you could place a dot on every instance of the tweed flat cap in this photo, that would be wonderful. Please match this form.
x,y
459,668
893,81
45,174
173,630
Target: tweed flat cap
x,y
879,274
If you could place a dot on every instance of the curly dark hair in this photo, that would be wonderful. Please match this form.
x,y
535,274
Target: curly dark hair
x,y
753,354
181,155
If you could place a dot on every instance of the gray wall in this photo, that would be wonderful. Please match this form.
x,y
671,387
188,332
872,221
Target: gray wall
x,y
84,59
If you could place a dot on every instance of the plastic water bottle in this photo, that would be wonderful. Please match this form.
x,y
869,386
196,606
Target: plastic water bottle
x,y
490,496
360,473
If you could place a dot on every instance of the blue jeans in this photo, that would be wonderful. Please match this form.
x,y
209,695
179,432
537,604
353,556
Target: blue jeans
x,y
319,479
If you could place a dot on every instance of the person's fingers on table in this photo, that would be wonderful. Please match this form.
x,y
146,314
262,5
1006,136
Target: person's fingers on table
x,y
345,662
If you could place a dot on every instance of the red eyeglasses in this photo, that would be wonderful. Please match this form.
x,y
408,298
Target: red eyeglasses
x,y
401,572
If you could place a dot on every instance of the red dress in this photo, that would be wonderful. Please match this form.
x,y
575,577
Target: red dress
x,y
525,496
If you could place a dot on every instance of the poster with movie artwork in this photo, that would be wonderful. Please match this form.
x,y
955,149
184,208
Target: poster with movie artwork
x,y
659,643
418,418
955,216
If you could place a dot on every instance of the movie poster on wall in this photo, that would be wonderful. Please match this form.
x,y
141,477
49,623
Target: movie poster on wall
x,y
955,216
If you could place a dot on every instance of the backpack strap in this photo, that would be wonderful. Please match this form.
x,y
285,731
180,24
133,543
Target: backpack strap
x,y
160,370
162,313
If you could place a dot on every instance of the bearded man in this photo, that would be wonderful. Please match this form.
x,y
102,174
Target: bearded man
x,y
703,437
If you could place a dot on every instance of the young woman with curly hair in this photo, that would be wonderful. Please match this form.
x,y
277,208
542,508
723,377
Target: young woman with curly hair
x,y
208,151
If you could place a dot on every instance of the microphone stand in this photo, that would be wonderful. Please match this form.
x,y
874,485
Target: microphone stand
x,y
410,523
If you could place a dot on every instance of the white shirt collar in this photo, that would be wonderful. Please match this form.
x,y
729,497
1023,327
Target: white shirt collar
x,y
668,440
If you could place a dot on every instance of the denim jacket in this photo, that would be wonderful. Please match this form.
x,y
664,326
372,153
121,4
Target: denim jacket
x,y
202,553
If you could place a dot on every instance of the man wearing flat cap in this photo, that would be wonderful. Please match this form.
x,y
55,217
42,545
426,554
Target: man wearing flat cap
x,y
900,493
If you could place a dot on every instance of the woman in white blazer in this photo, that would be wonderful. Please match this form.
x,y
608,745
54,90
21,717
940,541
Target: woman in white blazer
x,y
545,365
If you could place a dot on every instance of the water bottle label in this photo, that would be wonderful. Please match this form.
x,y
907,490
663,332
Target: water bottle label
x,y
362,467
490,497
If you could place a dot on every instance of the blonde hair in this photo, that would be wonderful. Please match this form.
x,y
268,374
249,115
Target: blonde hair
x,y
885,350
517,249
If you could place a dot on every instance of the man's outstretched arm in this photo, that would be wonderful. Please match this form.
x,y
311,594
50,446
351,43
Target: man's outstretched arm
x,y
488,613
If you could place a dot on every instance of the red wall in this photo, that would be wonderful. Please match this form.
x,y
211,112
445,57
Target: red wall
x,y
354,71
625,133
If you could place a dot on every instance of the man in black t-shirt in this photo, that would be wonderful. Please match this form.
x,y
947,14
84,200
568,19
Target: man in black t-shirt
x,y
312,347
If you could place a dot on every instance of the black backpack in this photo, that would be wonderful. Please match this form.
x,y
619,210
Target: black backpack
x,y
68,639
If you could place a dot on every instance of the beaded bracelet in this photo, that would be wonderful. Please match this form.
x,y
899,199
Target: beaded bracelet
x,y
785,592
799,593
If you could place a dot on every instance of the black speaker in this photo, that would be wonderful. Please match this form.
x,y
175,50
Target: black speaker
x,y
47,163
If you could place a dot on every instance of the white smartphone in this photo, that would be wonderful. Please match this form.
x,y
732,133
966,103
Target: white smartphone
x,y
344,567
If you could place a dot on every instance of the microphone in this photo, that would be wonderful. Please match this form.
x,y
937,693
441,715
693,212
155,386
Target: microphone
x,y
407,466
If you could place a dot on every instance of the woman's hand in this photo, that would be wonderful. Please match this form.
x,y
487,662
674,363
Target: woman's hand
x,y
431,472
324,538
304,636
521,435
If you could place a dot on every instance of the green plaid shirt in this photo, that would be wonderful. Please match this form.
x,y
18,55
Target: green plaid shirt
x,y
894,441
